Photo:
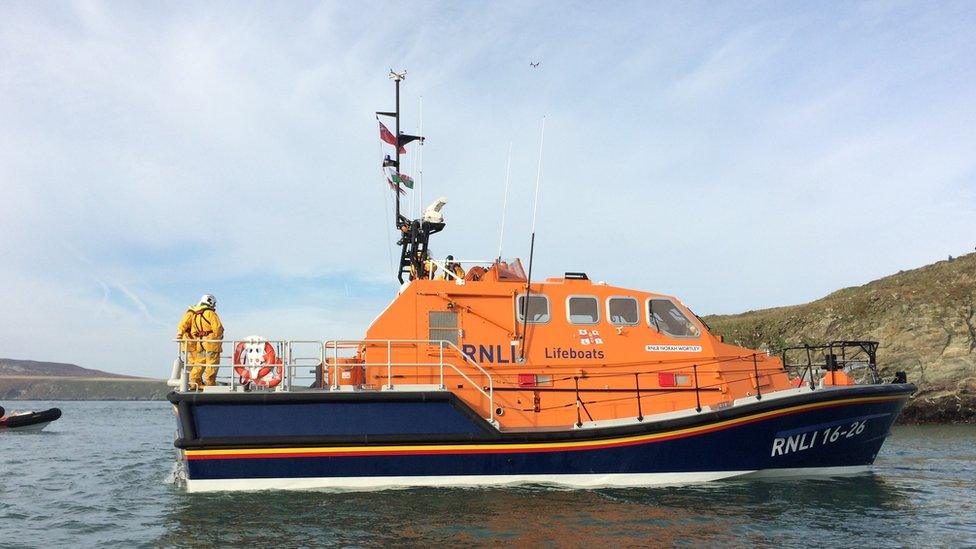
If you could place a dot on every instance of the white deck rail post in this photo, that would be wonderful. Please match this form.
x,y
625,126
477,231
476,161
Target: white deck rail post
x,y
185,371
335,365
321,366
286,365
389,365
442,363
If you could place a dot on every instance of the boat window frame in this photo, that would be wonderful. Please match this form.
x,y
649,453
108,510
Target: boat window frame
x,y
651,323
518,310
569,318
629,297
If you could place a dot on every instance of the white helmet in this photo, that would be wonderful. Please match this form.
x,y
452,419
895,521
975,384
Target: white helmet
x,y
208,300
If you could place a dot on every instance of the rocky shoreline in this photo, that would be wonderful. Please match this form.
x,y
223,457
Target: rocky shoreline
x,y
942,405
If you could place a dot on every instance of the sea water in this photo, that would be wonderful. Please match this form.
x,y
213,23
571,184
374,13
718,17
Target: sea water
x,y
102,476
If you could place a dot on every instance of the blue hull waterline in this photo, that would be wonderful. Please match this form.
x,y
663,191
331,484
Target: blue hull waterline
x,y
306,440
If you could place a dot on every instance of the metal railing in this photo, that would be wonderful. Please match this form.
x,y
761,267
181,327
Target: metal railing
x,y
322,358
510,270
288,355
857,355
364,346
750,371
325,360
441,267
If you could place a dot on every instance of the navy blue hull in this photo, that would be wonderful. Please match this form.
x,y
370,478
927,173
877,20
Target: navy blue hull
x,y
840,428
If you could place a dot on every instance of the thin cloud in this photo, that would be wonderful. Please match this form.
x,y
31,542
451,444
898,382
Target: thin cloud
x,y
700,152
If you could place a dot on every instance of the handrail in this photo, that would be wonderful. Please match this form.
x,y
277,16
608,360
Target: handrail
x,y
282,349
335,345
441,264
291,359
491,384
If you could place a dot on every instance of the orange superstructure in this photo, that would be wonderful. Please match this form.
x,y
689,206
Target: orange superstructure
x,y
587,352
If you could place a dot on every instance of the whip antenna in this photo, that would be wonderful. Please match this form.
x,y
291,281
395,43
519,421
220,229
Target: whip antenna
x,y
420,160
508,176
535,212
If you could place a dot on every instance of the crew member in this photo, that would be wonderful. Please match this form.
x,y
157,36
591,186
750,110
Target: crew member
x,y
201,326
427,266
453,267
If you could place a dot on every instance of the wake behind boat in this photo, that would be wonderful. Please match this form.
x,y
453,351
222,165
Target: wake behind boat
x,y
477,375
28,421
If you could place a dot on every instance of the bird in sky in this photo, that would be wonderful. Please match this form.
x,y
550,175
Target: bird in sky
x,y
535,65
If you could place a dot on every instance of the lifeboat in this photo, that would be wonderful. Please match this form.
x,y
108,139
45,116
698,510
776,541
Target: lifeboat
x,y
476,375
28,421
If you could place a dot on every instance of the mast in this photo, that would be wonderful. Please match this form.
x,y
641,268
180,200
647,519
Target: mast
x,y
397,78
414,233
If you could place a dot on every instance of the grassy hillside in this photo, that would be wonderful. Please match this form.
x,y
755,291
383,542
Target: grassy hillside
x,y
925,320
14,367
33,380
73,388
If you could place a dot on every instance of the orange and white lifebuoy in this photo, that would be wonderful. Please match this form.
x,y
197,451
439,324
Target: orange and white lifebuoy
x,y
256,362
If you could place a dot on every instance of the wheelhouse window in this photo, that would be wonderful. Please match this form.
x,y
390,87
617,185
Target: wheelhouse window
x,y
668,319
583,310
623,311
442,325
538,309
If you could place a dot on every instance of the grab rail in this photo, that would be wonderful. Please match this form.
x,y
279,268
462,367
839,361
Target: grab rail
x,y
365,344
289,360
295,354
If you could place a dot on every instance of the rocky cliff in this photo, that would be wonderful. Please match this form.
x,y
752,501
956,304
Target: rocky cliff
x,y
925,320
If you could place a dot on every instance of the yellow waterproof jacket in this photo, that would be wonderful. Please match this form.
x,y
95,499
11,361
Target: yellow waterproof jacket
x,y
201,322
454,268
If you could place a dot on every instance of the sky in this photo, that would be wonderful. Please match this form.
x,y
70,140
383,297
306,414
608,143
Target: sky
x,y
737,155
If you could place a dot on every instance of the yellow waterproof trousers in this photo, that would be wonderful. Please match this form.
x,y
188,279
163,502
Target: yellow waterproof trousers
x,y
203,353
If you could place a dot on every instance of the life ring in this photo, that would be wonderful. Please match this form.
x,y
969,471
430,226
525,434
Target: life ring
x,y
254,362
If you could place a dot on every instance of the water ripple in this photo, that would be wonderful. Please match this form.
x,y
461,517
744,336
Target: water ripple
x,y
103,476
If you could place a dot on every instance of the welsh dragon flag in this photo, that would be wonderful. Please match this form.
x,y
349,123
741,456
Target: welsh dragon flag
x,y
402,179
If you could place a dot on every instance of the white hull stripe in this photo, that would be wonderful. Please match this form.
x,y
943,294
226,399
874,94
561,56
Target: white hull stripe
x,y
32,427
598,480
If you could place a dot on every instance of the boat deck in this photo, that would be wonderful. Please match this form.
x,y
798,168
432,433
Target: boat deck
x,y
361,367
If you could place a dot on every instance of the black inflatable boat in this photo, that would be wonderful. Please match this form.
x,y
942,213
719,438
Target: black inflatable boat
x,y
28,421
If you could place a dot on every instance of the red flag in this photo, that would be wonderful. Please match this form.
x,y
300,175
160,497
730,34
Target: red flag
x,y
388,137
